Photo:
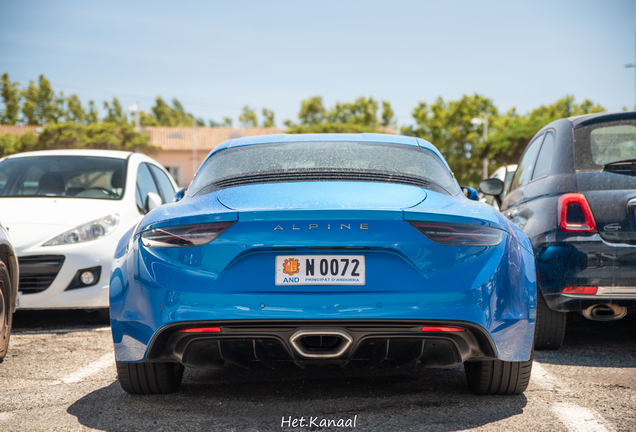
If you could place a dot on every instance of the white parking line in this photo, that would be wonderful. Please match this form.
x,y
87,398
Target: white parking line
x,y
85,372
578,419
573,417
547,381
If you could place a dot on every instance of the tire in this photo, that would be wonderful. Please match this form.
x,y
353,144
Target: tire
x,y
497,377
150,378
6,310
550,327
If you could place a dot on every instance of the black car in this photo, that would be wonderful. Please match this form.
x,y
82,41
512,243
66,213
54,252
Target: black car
x,y
574,195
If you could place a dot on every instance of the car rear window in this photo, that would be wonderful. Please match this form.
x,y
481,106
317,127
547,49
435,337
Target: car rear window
x,y
323,161
604,143
63,177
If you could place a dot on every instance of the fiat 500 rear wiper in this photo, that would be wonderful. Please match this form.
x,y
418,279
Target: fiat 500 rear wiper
x,y
622,163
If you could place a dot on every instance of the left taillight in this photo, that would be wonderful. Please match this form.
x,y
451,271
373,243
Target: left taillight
x,y
459,234
184,235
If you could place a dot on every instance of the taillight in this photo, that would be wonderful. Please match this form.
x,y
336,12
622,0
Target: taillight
x,y
580,290
184,235
459,234
575,214
201,330
442,329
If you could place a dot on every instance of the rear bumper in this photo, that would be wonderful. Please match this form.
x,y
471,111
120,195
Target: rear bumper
x,y
587,260
368,343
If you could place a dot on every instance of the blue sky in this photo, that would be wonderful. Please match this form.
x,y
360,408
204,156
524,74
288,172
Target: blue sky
x,y
216,56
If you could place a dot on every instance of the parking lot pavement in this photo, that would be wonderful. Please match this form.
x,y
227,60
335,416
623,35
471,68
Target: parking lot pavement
x,y
59,375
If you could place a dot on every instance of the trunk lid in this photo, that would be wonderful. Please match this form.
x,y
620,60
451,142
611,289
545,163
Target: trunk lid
x,y
609,194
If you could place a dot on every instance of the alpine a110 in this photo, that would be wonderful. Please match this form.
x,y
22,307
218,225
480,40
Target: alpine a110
x,y
324,249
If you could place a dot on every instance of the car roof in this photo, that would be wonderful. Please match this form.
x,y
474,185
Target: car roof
x,y
95,153
588,119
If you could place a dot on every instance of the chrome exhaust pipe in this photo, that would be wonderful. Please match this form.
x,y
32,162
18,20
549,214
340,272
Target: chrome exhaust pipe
x,y
605,312
296,343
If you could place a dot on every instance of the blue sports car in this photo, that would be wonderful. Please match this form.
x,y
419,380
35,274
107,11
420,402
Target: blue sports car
x,y
334,249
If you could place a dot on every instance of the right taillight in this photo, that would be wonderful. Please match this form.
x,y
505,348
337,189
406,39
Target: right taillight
x,y
459,234
575,214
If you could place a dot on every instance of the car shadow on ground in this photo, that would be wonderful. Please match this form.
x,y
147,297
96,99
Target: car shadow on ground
x,y
598,344
260,399
43,320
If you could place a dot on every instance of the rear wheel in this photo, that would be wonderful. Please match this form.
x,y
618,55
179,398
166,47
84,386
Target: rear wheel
x,y
6,310
550,327
150,378
497,377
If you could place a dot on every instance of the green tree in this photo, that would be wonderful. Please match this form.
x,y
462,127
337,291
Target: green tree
x,y
312,112
74,110
268,118
446,124
162,114
510,133
41,105
115,113
11,99
387,114
227,122
248,117
91,116
109,136
363,111
331,128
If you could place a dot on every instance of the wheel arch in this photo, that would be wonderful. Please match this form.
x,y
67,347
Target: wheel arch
x,y
8,257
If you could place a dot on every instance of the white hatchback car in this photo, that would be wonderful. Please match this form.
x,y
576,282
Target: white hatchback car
x,y
66,211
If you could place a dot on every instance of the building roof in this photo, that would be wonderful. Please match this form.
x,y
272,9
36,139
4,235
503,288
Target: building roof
x,y
181,138
19,130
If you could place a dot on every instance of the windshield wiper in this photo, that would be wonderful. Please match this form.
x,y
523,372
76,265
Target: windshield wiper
x,y
621,163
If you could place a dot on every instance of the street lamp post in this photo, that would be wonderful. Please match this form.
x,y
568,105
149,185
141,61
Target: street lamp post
x,y
483,121
630,65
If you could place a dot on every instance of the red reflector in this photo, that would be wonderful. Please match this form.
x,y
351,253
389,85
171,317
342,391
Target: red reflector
x,y
201,330
564,202
441,329
580,290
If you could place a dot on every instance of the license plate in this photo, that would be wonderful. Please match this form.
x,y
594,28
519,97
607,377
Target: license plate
x,y
320,270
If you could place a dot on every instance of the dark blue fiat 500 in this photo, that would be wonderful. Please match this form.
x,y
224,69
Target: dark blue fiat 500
x,y
574,195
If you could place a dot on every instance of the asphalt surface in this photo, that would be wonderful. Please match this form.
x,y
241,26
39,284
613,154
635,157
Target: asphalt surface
x,y
59,374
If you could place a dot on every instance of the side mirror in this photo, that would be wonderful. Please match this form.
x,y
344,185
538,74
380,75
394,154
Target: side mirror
x,y
178,196
470,193
152,202
491,186
494,187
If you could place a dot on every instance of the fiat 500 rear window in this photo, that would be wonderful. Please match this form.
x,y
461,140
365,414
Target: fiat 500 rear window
x,y
605,145
324,161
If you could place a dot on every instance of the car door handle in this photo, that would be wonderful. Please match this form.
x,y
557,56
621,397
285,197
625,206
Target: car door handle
x,y
511,214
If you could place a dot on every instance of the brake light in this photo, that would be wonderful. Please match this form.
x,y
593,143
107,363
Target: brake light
x,y
580,290
184,235
201,330
442,329
575,214
459,234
